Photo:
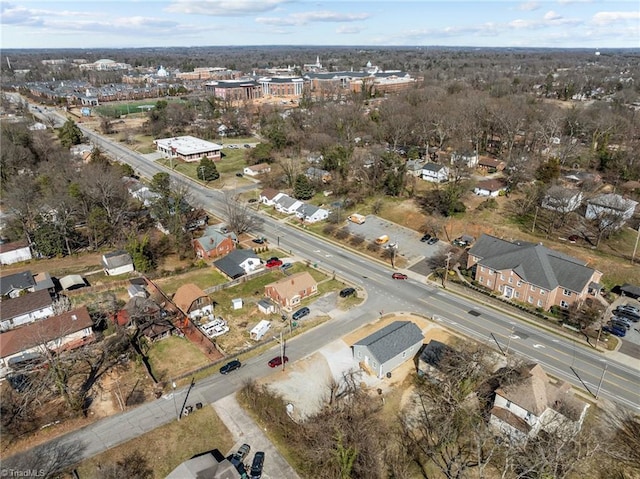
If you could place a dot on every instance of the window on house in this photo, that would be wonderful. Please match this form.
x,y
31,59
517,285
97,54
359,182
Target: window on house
x,y
539,303
517,294
481,279
510,280
528,418
502,277
542,292
564,304
500,288
533,289
482,268
531,299
519,283
566,292
508,404
489,282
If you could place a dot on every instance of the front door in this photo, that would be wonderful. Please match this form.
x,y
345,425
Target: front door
x,y
508,292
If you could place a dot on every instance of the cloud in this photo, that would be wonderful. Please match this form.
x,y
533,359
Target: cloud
x,y
606,18
18,15
224,8
569,2
313,17
348,30
551,15
529,6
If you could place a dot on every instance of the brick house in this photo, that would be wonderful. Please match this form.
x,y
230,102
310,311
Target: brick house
x,y
289,291
531,273
214,242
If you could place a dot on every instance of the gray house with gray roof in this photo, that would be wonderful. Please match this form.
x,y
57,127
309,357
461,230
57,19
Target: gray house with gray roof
x,y
531,273
388,348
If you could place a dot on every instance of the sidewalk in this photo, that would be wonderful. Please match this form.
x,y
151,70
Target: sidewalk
x,y
245,430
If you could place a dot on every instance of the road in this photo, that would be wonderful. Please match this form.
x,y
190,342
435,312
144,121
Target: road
x,y
562,357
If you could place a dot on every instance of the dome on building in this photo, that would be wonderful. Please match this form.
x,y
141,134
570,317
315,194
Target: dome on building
x,y
105,61
162,72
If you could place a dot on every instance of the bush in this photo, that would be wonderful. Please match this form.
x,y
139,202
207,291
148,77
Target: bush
x,y
343,233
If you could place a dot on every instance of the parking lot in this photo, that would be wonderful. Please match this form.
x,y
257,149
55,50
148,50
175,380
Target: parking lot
x,y
408,241
631,342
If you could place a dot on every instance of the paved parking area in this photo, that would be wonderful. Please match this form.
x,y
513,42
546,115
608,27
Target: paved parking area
x,y
408,240
631,342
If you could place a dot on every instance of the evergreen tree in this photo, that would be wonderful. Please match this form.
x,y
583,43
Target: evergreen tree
x,y
141,254
207,170
303,189
70,134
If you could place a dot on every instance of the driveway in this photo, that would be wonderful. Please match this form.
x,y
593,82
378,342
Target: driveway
x,y
245,430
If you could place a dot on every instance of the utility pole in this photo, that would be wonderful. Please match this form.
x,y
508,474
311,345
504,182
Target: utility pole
x,y
601,379
635,248
535,217
446,270
201,169
175,406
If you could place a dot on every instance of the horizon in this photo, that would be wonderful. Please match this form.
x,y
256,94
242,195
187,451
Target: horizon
x,y
544,24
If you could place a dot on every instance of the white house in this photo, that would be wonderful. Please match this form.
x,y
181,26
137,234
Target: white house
x,y
610,208
25,309
468,159
531,403
255,170
62,332
491,187
435,173
269,196
287,205
561,199
188,148
15,252
117,262
311,213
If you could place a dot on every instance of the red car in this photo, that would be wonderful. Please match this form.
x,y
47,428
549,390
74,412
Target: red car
x,y
399,276
273,263
277,361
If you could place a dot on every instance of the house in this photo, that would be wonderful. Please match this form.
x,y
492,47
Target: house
x,y
414,168
265,306
491,165
287,205
610,209
311,213
435,173
13,285
255,170
191,300
15,252
432,356
188,148
468,159
630,290
65,331
318,174
214,242
491,187
268,196
238,263
529,403
289,291
25,309
561,199
211,464
117,262
531,273
260,329
389,347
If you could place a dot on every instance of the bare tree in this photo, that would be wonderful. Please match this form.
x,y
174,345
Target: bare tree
x,y
240,218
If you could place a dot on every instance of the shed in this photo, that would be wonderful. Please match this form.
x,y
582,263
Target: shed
x,y
260,329
630,290
117,262
72,281
237,303
265,306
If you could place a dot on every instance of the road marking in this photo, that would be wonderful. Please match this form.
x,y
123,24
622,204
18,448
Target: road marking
x,y
539,346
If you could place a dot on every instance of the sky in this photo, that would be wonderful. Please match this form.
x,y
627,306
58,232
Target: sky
x,y
596,24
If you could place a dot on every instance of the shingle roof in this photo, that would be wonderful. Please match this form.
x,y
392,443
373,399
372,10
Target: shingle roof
x,y
391,340
186,295
534,263
43,331
292,285
492,184
6,247
230,264
22,280
116,259
25,304
432,167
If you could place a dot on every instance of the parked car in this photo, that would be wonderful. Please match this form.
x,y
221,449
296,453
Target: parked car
x,y
258,240
252,200
615,331
230,366
273,263
240,454
627,314
301,313
286,266
247,145
382,239
426,237
256,465
621,320
277,361
399,276
433,240
347,292
239,175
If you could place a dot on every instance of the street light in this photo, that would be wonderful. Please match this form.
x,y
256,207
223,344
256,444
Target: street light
x,y
201,169
175,406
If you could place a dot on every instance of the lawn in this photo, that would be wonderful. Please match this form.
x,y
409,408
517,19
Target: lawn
x,y
202,277
173,356
166,447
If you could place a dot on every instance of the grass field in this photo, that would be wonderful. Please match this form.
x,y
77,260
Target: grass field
x,y
166,447
164,355
203,278
116,110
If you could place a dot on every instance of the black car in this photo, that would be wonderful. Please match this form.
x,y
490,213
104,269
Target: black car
x,y
433,240
301,313
626,313
347,292
258,240
425,238
230,366
256,466
239,175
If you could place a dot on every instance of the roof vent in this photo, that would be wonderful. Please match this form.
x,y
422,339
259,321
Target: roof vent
x,y
74,317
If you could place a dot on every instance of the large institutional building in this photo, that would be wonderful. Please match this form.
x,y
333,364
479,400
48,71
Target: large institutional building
x,y
188,148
